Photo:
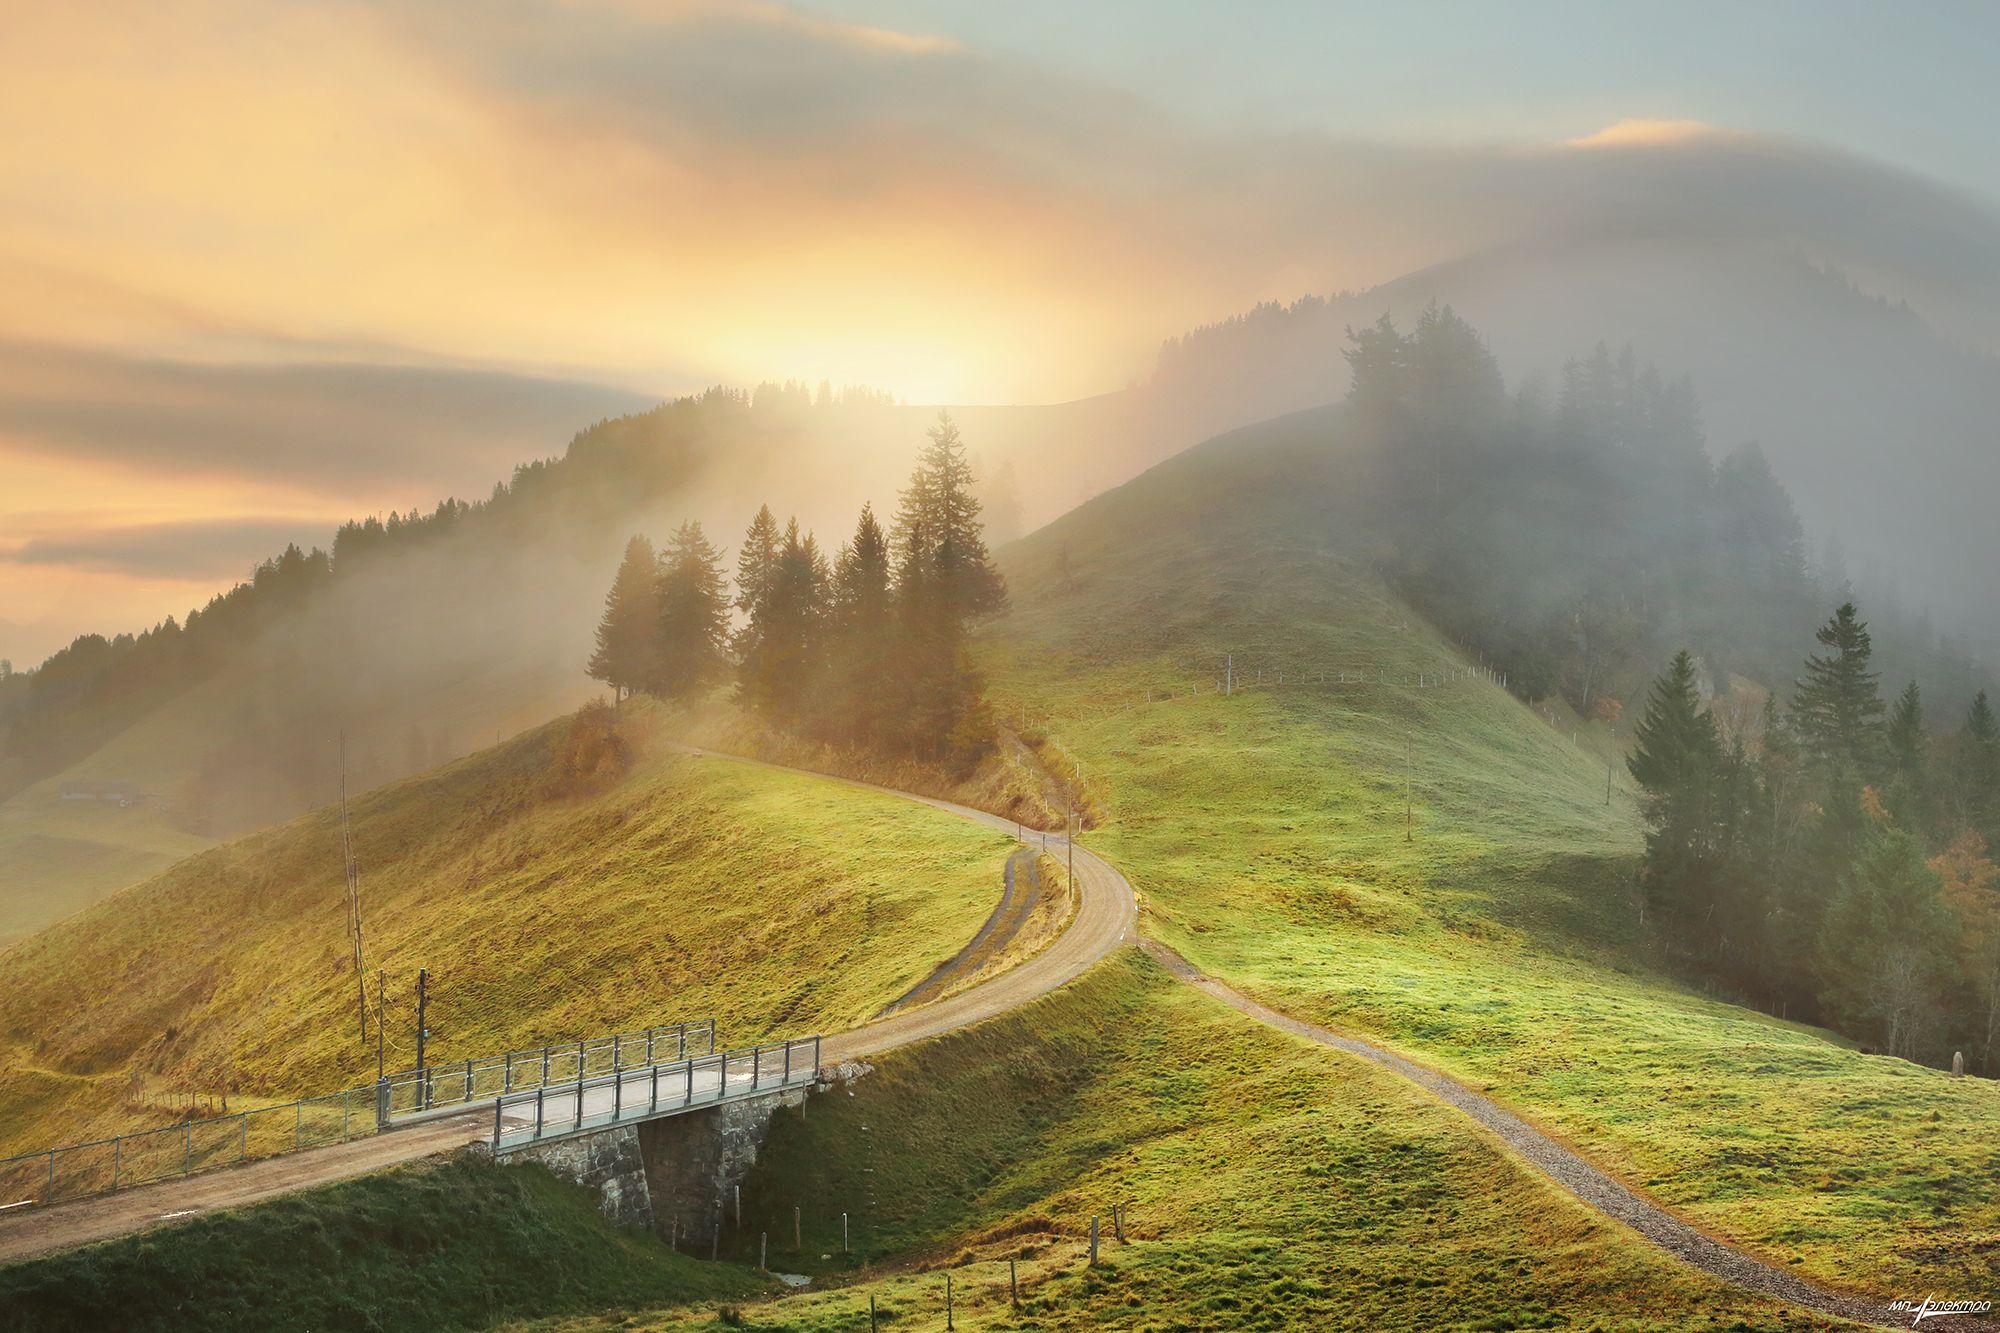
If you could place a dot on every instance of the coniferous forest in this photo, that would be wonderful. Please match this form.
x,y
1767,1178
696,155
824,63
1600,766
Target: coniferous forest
x,y
864,649
1813,847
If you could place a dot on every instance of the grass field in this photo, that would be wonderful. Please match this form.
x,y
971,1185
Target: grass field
x,y
440,1246
1268,1183
60,856
1266,833
693,888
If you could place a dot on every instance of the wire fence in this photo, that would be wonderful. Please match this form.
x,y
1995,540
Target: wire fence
x,y
103,1166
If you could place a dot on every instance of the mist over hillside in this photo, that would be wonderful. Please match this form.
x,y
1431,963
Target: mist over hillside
x,y
1882,428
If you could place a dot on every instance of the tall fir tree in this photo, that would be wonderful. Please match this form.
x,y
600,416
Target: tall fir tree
x,y
1677,761
1978,764
626,635
864,626
1837,707
693,615
1909,759
937,523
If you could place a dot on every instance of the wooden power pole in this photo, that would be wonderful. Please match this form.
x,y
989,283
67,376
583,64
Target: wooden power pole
x,y
353,897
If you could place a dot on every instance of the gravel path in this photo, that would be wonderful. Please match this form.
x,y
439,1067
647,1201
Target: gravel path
x,y
1582,1179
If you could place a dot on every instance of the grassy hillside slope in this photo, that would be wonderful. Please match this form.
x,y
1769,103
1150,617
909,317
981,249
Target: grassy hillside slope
x,y
690,888
1268,1183
1266,832
440,1246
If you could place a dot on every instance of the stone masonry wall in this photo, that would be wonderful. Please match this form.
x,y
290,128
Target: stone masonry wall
x,y
611,1162
693,1163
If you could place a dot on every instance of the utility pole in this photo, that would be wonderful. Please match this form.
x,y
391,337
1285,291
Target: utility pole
x,y
1229,673
423,1033
1409,798
1069,837
353,896
381,1003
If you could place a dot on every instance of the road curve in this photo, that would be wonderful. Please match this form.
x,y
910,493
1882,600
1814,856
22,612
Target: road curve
x,y
1106,917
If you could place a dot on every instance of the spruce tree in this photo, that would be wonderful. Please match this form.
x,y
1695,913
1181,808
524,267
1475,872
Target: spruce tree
x,y
693,614
1908,756
1678,762
1836,708
863,615
624,657
756,560
937,522
1979,769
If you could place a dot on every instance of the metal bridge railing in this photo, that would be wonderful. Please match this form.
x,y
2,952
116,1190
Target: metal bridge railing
x,y
551,1111
419,1090
102,1166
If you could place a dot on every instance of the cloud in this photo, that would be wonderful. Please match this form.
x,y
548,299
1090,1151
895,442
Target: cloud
x,y
224,549
423,430
1642,132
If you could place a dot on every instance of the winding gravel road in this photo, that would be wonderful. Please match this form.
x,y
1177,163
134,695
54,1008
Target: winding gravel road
x,y
1106,919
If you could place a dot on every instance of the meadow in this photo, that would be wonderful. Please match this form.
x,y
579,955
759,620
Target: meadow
x,y
1265,1183
687,888
1446,869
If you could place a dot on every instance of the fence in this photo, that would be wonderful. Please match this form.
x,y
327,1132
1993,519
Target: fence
x,y
103,1166
441,1086
521,1119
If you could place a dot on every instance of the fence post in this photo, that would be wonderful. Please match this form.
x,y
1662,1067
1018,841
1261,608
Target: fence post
x,y
539,1094
649,1045
545,1066
788,1063
187,1146
298,1123
581,1058
616,1050
1093,1240
496,1126
756,1066
681,1039
653,1104
507,1075
381,1103
117,1153
689,1066
468,1080
617,1089
947,1303
579,1098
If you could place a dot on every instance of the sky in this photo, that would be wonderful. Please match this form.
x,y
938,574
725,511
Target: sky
x,y
272,265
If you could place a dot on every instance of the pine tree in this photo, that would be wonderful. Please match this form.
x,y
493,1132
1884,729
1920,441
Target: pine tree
x,y
693,614
624,658
863,614
756,562
782,675
1979,769
1837,709
937,522
1678,761
1908,754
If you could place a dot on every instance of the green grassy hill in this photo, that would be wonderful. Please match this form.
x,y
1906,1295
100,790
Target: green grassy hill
x,y
1268,1183
688,888
1496,939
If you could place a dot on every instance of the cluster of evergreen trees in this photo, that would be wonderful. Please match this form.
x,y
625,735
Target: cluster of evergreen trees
x,y
867,649
1833,864
1576,535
